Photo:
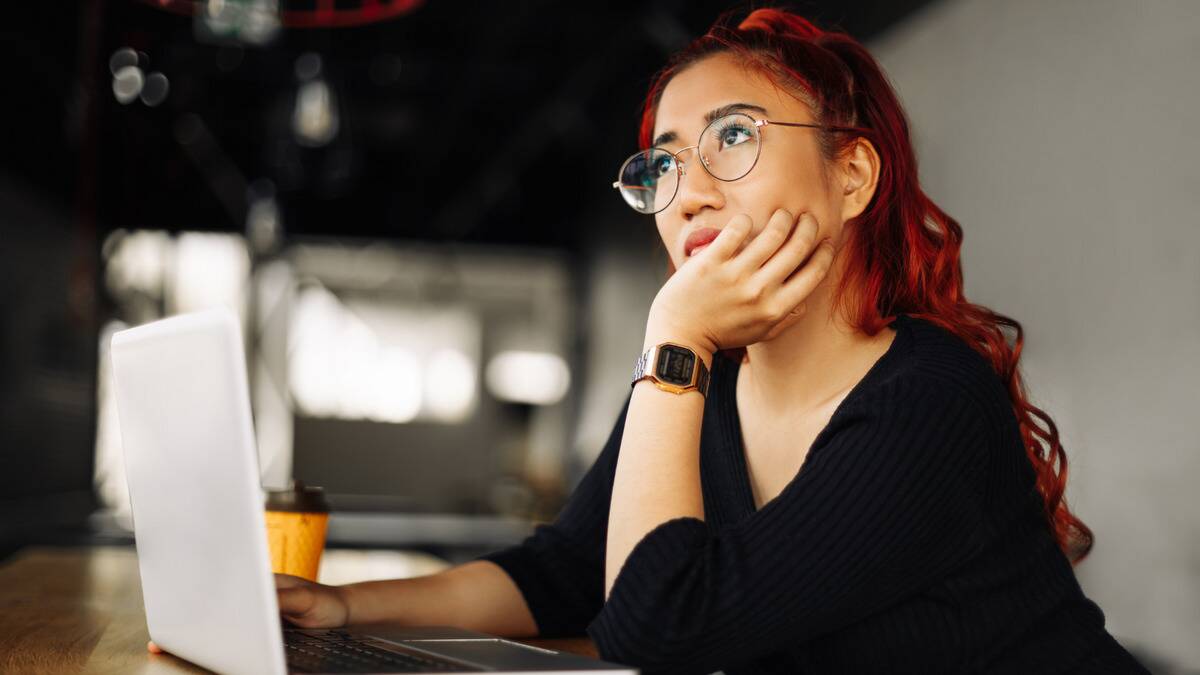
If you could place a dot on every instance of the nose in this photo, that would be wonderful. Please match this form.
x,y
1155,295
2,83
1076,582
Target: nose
x,y
697,191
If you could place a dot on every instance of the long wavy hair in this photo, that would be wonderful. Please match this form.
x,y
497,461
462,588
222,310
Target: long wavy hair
x,y
903,250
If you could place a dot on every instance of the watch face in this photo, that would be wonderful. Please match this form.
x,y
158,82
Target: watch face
x,y
675,365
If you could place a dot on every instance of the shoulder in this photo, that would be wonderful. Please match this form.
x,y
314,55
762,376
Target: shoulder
x,y
939,367
931,384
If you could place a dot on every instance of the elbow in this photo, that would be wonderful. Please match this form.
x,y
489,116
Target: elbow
x,y
650,659
655,643
662,614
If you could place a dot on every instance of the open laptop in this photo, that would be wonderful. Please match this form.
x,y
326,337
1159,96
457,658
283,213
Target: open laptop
x,y
192,468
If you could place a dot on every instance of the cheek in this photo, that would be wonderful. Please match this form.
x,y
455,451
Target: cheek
x,y
667,232
796,186
767,192
664,230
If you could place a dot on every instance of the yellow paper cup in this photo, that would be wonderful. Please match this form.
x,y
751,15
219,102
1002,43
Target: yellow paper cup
x,y
296,524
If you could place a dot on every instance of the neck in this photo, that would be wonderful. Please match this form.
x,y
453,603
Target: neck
x,y
816,360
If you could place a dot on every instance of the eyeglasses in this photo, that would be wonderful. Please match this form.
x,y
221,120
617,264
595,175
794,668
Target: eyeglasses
x,y
728,149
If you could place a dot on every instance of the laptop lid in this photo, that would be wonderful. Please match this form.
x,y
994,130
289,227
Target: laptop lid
x,y
191,463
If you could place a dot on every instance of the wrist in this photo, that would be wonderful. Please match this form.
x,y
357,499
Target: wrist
x,y
345,594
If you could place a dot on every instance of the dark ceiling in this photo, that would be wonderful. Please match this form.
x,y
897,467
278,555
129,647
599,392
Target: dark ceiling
x,y
474,121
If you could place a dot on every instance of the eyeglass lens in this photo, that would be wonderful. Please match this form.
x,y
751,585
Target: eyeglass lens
x,y
728,149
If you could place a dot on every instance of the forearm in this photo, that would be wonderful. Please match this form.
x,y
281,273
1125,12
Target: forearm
x,y
658,469
477,595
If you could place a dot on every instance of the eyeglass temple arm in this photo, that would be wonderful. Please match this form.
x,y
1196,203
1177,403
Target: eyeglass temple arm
x,y
763,123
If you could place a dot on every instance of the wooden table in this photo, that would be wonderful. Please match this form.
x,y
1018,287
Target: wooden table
x,y
80,609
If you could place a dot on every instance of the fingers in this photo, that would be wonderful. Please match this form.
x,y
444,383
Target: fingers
x,y
295,596
153,648
788,257
767,242
798,287
296,602
308,604
289,581
732,236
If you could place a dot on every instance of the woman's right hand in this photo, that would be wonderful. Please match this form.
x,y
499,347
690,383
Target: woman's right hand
x,y
304,603
729,296
308,604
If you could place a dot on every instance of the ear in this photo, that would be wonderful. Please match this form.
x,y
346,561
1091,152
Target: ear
x,y
858,175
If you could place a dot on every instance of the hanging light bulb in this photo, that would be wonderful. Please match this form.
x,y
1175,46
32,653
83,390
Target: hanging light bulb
x,y
315,118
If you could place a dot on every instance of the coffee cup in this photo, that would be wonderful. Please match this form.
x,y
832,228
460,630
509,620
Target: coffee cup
x,y
297,519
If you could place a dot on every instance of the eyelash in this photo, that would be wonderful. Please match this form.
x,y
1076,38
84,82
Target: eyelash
x,y
720,130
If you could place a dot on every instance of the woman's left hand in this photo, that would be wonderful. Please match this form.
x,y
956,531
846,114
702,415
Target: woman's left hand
x,y
725,298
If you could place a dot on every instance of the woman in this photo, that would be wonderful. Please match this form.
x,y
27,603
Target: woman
x,y
862,487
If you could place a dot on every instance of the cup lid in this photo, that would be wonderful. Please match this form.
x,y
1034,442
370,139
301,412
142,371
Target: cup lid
x,y
300,498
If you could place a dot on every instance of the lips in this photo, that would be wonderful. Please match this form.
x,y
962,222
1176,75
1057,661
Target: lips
x,y
699,238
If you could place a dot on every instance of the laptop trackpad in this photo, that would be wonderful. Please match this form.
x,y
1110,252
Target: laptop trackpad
x,y
499,654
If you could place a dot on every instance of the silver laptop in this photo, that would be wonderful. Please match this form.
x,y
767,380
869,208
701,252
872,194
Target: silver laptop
x,y
192,468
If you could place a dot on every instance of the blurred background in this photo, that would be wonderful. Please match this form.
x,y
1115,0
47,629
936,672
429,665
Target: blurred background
x,y
408,204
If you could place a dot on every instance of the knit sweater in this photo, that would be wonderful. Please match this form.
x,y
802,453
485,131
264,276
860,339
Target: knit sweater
x,y
911,540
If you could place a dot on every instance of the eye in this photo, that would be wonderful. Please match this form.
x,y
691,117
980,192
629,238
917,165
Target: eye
x,y
662,165
733,133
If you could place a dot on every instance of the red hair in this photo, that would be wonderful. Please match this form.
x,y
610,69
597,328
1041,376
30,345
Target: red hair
x,y
902,251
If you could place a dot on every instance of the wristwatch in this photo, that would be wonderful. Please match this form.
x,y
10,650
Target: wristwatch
x,y
672,368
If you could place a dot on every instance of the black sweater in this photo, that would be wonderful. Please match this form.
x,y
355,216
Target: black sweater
x,y
912,540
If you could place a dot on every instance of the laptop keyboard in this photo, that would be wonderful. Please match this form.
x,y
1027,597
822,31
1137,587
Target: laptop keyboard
x,y
340,652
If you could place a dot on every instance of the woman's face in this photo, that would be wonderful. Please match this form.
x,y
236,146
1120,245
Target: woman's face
x,y
790,173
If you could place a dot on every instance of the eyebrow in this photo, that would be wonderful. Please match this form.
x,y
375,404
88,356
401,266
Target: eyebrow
x,y
668,136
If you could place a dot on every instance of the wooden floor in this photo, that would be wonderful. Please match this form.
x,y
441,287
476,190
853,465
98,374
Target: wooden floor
x,y
80,610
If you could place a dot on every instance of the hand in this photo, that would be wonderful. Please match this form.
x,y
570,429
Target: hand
x,y
311,605
304,603
725,297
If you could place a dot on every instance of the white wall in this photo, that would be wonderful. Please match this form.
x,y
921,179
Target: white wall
x,y
1065,139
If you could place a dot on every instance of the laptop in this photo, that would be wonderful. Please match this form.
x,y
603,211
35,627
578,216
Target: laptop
x,y
192,467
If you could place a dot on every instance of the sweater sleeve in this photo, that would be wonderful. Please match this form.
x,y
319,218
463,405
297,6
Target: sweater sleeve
x,y
560,566
886,503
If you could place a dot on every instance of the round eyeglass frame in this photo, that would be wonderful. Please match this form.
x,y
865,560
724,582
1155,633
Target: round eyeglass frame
x,y
757,125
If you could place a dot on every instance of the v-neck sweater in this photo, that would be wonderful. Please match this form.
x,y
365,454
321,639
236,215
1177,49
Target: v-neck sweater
x,y
911,540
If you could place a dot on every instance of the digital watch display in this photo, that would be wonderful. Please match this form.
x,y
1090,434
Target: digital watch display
x,y
674,368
